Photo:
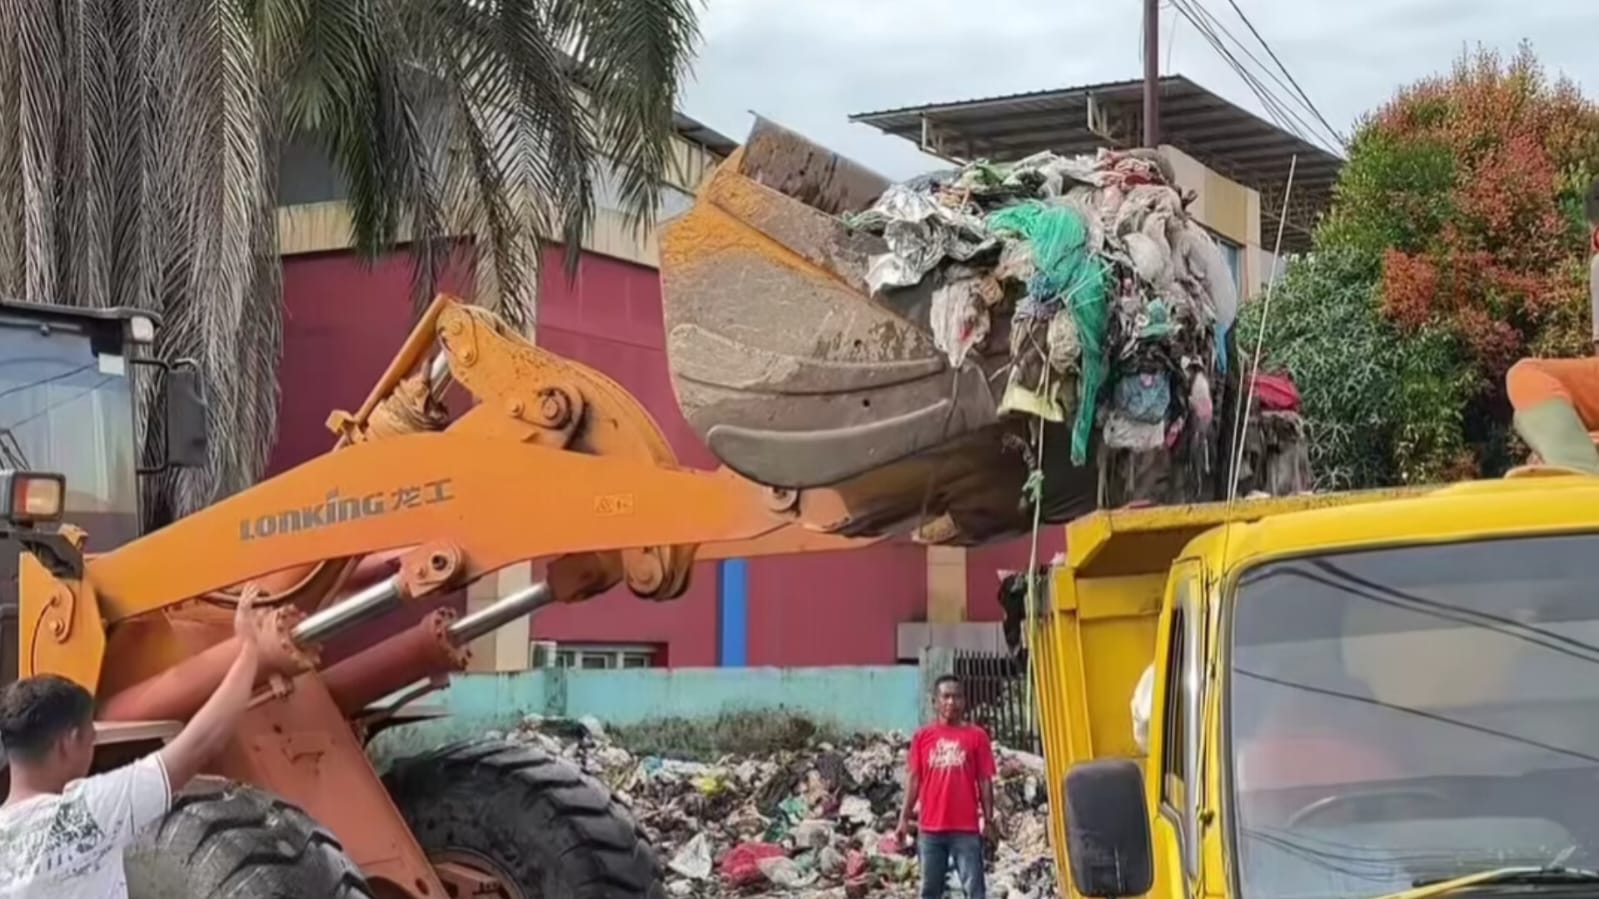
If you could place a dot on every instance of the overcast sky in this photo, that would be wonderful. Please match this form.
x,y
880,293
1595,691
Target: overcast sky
x,y
809,64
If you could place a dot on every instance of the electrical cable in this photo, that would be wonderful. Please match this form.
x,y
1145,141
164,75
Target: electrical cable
x,y
1195,11
1276,108
1309,104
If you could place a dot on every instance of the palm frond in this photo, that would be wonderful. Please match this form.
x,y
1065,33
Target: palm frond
x,y
139,168
632,55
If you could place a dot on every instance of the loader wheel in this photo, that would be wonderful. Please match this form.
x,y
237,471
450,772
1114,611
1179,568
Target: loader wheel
x,y
535,823
225,840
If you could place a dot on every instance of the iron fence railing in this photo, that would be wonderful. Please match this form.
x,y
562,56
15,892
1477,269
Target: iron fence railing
x,y
997,698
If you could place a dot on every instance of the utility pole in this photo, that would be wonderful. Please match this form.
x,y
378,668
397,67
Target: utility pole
x,y
1151,73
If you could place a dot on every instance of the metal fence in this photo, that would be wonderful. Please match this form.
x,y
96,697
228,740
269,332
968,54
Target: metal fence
x,y
997,698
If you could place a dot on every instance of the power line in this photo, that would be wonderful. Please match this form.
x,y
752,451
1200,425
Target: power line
x,y
1276,108
1309,104
1209,25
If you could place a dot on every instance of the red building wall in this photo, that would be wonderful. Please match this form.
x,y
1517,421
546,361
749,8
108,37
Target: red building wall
x,y
342,324
984,564
835,609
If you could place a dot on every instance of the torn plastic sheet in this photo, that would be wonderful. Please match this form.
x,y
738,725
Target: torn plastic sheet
x,y
921,233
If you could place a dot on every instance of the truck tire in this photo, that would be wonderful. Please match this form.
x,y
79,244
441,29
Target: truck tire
x,y
528,818
226,840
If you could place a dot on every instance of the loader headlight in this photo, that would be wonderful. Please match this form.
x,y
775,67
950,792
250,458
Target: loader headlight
x,y
141,330
32,497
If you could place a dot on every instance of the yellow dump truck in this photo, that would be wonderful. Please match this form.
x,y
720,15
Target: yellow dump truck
x,y
1386,694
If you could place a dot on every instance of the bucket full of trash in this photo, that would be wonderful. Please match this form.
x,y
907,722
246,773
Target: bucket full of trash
x,y
949,352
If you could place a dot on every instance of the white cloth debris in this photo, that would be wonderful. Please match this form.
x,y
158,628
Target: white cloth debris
x,y
1143,707
694,859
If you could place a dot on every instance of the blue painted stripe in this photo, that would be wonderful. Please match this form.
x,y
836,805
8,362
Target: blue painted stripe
x,y
733,613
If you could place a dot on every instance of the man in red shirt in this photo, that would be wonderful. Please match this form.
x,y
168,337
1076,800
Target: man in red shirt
x,y
952,775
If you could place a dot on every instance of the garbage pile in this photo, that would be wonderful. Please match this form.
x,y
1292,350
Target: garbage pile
x,y
1109,304
816,823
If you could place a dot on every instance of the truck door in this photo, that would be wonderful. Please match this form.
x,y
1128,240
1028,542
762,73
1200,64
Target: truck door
x,y
1174,762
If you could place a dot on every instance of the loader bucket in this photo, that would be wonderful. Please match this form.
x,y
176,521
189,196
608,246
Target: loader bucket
x,y
795,376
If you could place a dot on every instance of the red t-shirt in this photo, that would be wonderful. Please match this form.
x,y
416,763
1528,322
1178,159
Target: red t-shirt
x,y
950,761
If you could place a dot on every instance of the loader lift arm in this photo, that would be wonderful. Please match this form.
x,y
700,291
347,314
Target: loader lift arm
x,y
554,460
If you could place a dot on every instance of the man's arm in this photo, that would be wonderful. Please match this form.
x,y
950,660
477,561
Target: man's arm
x,y
129,799
985,787
214,723
913,788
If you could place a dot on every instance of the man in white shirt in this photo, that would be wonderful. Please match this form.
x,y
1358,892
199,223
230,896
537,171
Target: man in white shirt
x,y
62,834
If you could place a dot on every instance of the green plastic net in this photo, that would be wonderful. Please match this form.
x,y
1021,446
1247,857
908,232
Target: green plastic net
x,y
1067,273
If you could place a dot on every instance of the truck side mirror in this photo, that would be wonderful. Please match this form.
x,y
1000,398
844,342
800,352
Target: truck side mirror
x,y
1107,830
187,417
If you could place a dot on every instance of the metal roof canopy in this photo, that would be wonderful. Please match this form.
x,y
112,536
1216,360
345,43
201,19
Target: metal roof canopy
x,y
694,130
1230,140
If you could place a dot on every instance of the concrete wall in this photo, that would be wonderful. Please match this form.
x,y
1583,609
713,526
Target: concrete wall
x,y
870,699
854,699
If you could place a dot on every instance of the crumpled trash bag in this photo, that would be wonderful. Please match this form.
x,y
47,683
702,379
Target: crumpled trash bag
x,y
694,859
741,866
1275,393
1124,432
1064,349
857,809
1143,397
710,783
959,318
920,233
1143,706
1149,259
829,861
812,833
855,865
784,872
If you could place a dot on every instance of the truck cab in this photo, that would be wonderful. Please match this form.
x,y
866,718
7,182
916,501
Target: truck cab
x,y
70,415
1354,695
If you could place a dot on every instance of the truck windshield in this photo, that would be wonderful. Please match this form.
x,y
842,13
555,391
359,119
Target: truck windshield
x,y
65,409
1403,715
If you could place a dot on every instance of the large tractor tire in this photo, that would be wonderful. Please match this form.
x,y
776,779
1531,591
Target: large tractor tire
x,y
226,841
542,827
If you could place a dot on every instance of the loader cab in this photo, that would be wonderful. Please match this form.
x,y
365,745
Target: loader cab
x,y
71,383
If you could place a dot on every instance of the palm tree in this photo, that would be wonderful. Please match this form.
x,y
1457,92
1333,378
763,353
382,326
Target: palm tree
x,y
141,139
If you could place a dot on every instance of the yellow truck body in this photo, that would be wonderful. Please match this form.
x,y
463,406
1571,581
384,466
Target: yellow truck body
x,y
1373,692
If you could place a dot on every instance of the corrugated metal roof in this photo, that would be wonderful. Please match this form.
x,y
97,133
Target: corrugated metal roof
x,y
694,130
1229,139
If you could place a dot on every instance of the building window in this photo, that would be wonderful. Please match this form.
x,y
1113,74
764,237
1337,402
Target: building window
x,y
597,657
1234,255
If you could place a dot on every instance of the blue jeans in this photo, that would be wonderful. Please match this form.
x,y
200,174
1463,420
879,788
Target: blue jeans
x,y
938,850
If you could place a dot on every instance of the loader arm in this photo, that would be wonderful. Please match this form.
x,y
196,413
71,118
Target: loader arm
x,y
554,460
501,502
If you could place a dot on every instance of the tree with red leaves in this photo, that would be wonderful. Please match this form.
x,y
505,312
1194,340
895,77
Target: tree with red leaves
x,y
1462,202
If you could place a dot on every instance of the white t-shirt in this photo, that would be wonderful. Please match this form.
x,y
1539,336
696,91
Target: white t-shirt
x,y
70,846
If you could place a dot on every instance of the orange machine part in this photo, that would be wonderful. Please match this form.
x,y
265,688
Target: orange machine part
x,y
301,747
178,692
423,650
